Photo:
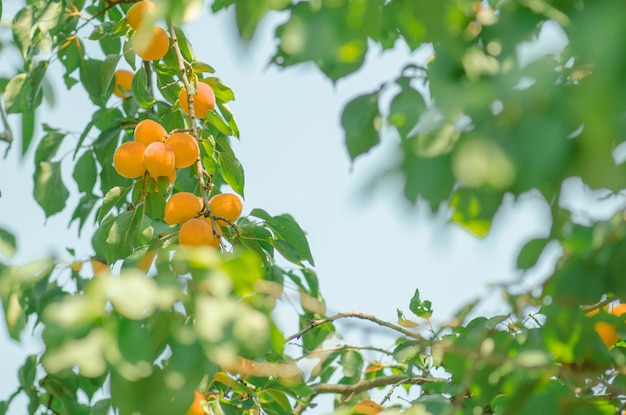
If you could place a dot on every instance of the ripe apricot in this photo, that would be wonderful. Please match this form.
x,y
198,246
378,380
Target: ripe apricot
x,y
185,147
195,232
158,159
181,207
128,159
227,206
151,45
367,407
196,408
216,238
138,12
149,131
122,81
203,100
605,330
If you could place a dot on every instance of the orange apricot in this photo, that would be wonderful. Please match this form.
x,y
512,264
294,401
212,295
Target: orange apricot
x,y
149,131
227,206
128,159
196,408
158,159
138,12
214,229
367,407
122,81
185,147
607,331
181,207
195,232
151,45
203,100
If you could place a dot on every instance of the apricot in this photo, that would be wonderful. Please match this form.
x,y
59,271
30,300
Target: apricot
x,y
216,238
203,100
367,407
151,45
227,206
605,330
138,12
159,159
149,131
122,81
185,148
195,232
128,159
181,207
196,408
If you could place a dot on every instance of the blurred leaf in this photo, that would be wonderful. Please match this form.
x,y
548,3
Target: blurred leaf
x,y
28,130
406,107
248,14
360,119
8,244
530,253
49,190
474,209
27,372
420,308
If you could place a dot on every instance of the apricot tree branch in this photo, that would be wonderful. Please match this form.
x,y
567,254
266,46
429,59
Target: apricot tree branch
x,y
358,315
362,386
194,129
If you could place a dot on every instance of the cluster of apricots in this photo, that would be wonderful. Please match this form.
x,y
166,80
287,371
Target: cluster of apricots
x,y
155,151
159,154
196,229
150,42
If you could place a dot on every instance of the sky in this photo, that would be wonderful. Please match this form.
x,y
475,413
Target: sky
x,y
372,248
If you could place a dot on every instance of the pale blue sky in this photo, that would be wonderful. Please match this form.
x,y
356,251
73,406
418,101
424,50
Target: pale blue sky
x,y
371,248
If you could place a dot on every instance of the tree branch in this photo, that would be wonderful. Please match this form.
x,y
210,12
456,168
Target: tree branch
x,y
358,315
194,129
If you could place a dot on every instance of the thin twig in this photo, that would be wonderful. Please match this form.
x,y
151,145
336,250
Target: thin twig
x,y
359,315
368,384
303,404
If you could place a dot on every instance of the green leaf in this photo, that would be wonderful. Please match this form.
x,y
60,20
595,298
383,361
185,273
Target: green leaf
x,y
23,93
117,235
249,13
351,362
28,130
360,120
102,407
49,190
420,308
85,172
140,89
108,70
231,170
286,228
406,107
91,78
49,144
222,91
474,209
27,372
229,118
8,244
112,198
216,121
84,207
530,253
334,37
